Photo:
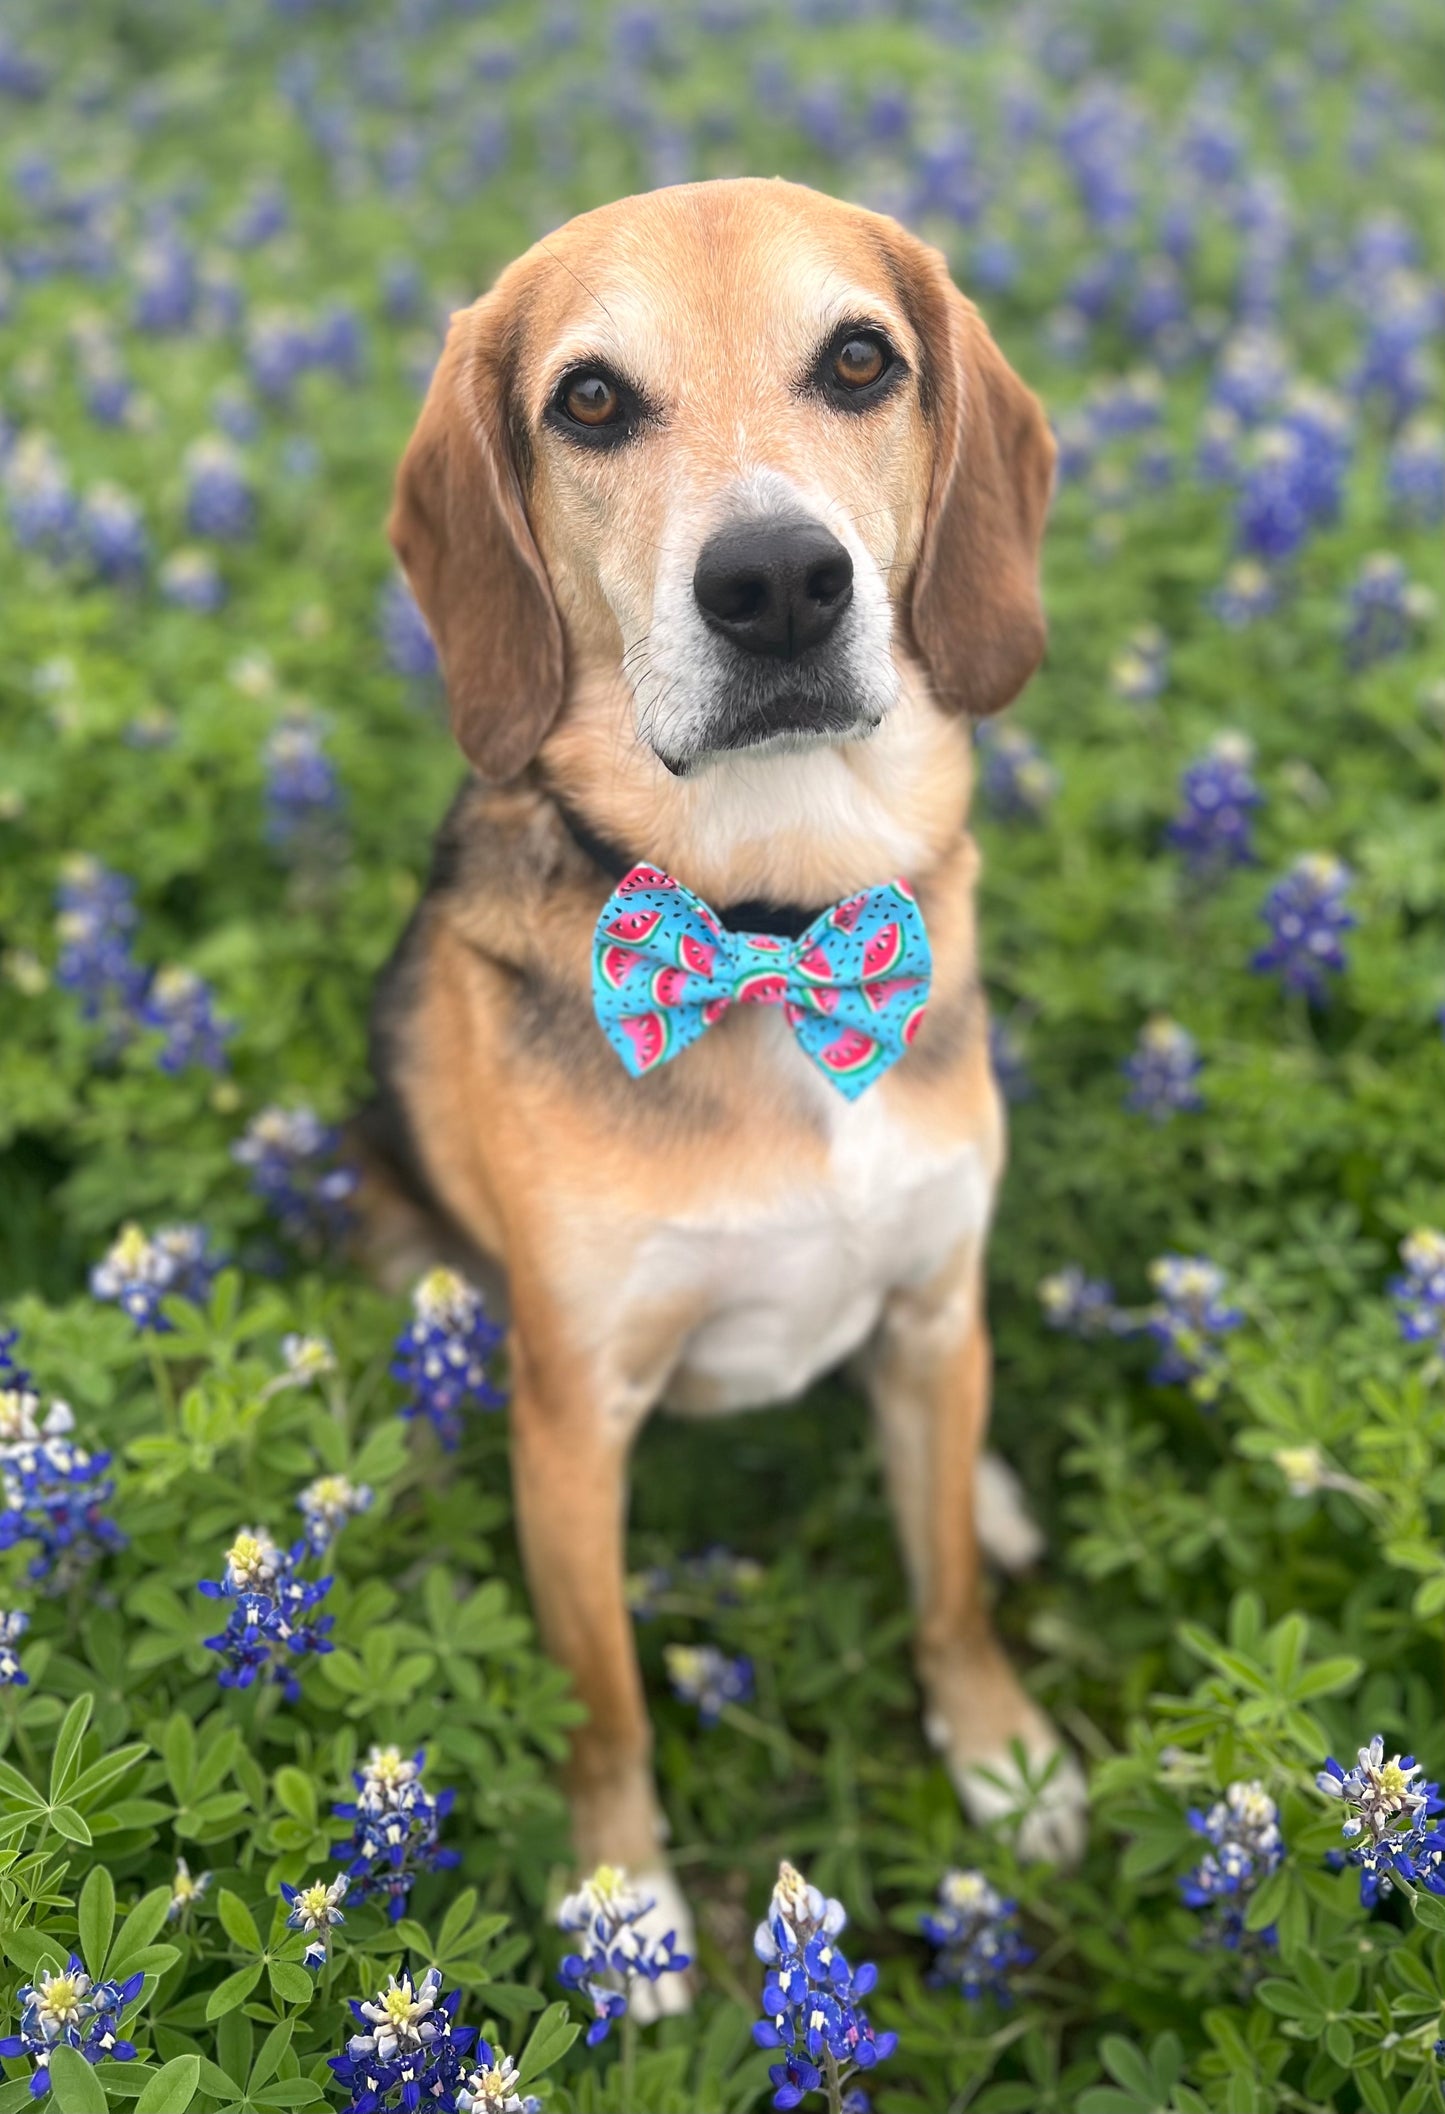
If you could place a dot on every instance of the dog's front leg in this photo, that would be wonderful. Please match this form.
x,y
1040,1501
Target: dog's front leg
x,y
929,1379
569,1474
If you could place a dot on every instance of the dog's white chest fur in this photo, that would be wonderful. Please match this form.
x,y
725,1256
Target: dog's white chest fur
x,y
793,1287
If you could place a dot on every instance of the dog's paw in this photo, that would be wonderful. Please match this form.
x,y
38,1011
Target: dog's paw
x,y
1011,1537
1044,1804
669,1912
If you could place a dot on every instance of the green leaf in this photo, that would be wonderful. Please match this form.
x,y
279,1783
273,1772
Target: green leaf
x,y
268,2061
292,1984
297,1793
96,1919
74,2085
552,2036
67,1746
67,1822
1339,2043
1429,1910
233,1991
139,1929
172,2088
19,1788
238,1922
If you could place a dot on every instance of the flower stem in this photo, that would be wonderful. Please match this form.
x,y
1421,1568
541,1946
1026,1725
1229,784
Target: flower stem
x,y
164,1395
629,2049
833,2082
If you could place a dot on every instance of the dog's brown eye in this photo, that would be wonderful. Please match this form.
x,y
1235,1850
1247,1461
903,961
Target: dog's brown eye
x,y
858,361
591,399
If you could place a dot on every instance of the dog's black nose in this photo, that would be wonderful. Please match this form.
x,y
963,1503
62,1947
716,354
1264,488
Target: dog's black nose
x,y
773,587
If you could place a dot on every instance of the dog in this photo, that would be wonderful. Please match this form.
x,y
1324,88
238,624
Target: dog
x,y
724,512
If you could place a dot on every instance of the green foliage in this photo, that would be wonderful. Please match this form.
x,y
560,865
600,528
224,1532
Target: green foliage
x,y
1203,1616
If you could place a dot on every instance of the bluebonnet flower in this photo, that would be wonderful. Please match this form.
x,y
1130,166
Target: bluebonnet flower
x,y
812,1998
327,1504
1272,513
292,1159
13,1625
1419,1292
606,1914
1187,1320
12,1373
704,1675
1245,1846
1384,608
396,1828
1389,1809
975,1933
235,413
65,2008
1403,311
280,347
1320,422
1078,1305
180,1005
1163,1073
1141,669
137,1271
264,213
411,2054
52,1491
192,580
1416,471
273,1619
715,1576
166,285
407,642
1246,593
113,531
856,2100
220,497
1218,796
1307,914
1251,374
1017,779
300,778
442,1355
308,1358
492,2088
403,289
96,919
187,1890
316,1909
1216,453
39,500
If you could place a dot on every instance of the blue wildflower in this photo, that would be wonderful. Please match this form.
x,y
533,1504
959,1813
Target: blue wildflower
x,y
13,1625
404,635
138,1271
187,1890
39,501
1416,472
113,532
273,1619
813,2012
1251,374
1272,514
1307,915
315,1909
1078,1305
1140,671
607,1915
1388,1813
326,1504
707,1677
166,285
1218,796
280,348
1163,1073
975,1933
220,497
1245,1846
181,1005
300,778
1384,607
1017,779
65,2008
1419,1291
492,2088
52,1491
192,580
411,2053
96,919
1187,1320
444,1352
292,1159
396,1824
1246,593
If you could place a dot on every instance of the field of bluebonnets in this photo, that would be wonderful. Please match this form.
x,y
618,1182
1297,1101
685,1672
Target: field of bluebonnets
x,y
276,1727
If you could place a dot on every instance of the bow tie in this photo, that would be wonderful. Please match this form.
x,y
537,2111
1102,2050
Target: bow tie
x,y
853,987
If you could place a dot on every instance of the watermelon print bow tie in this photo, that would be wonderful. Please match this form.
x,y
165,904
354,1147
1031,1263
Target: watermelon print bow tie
x,y
854,987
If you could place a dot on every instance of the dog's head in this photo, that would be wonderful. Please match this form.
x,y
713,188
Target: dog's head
x,y
743,443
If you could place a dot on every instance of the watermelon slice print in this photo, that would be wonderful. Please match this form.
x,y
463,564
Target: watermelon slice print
x,y
876,996
815,965
914,1022
844,916
669,986
644,877
825,998
650,1039
761,989
901,887
882,953
634,926
714,1010
696,955
851,1051
617,964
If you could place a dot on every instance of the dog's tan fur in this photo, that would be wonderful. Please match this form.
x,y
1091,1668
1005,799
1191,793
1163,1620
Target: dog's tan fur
x,y
533,563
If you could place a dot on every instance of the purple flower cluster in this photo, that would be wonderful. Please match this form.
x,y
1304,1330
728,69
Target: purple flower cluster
x,y
1187,1321
139,1270
1163,1072
977,1942
404,636
1384,608
395,1829
1307,915
53,1493
1218,797
1389,1821
703,1675
1079,1305
293,1159
1419,1290
1245,1846
96,919
273,1620
617,1947
1017,780
408,2053
64,2008
813,1999
443,1355
301,788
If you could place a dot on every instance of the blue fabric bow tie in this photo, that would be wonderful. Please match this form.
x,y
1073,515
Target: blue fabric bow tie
x,y
854,987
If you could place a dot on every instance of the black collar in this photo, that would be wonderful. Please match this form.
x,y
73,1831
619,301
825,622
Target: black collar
x,y
781,921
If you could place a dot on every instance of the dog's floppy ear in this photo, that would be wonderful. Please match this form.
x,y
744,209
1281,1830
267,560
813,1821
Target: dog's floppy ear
x,y
976,614
459,526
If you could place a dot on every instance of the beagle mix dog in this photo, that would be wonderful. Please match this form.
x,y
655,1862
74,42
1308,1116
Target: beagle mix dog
x,y
724,512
